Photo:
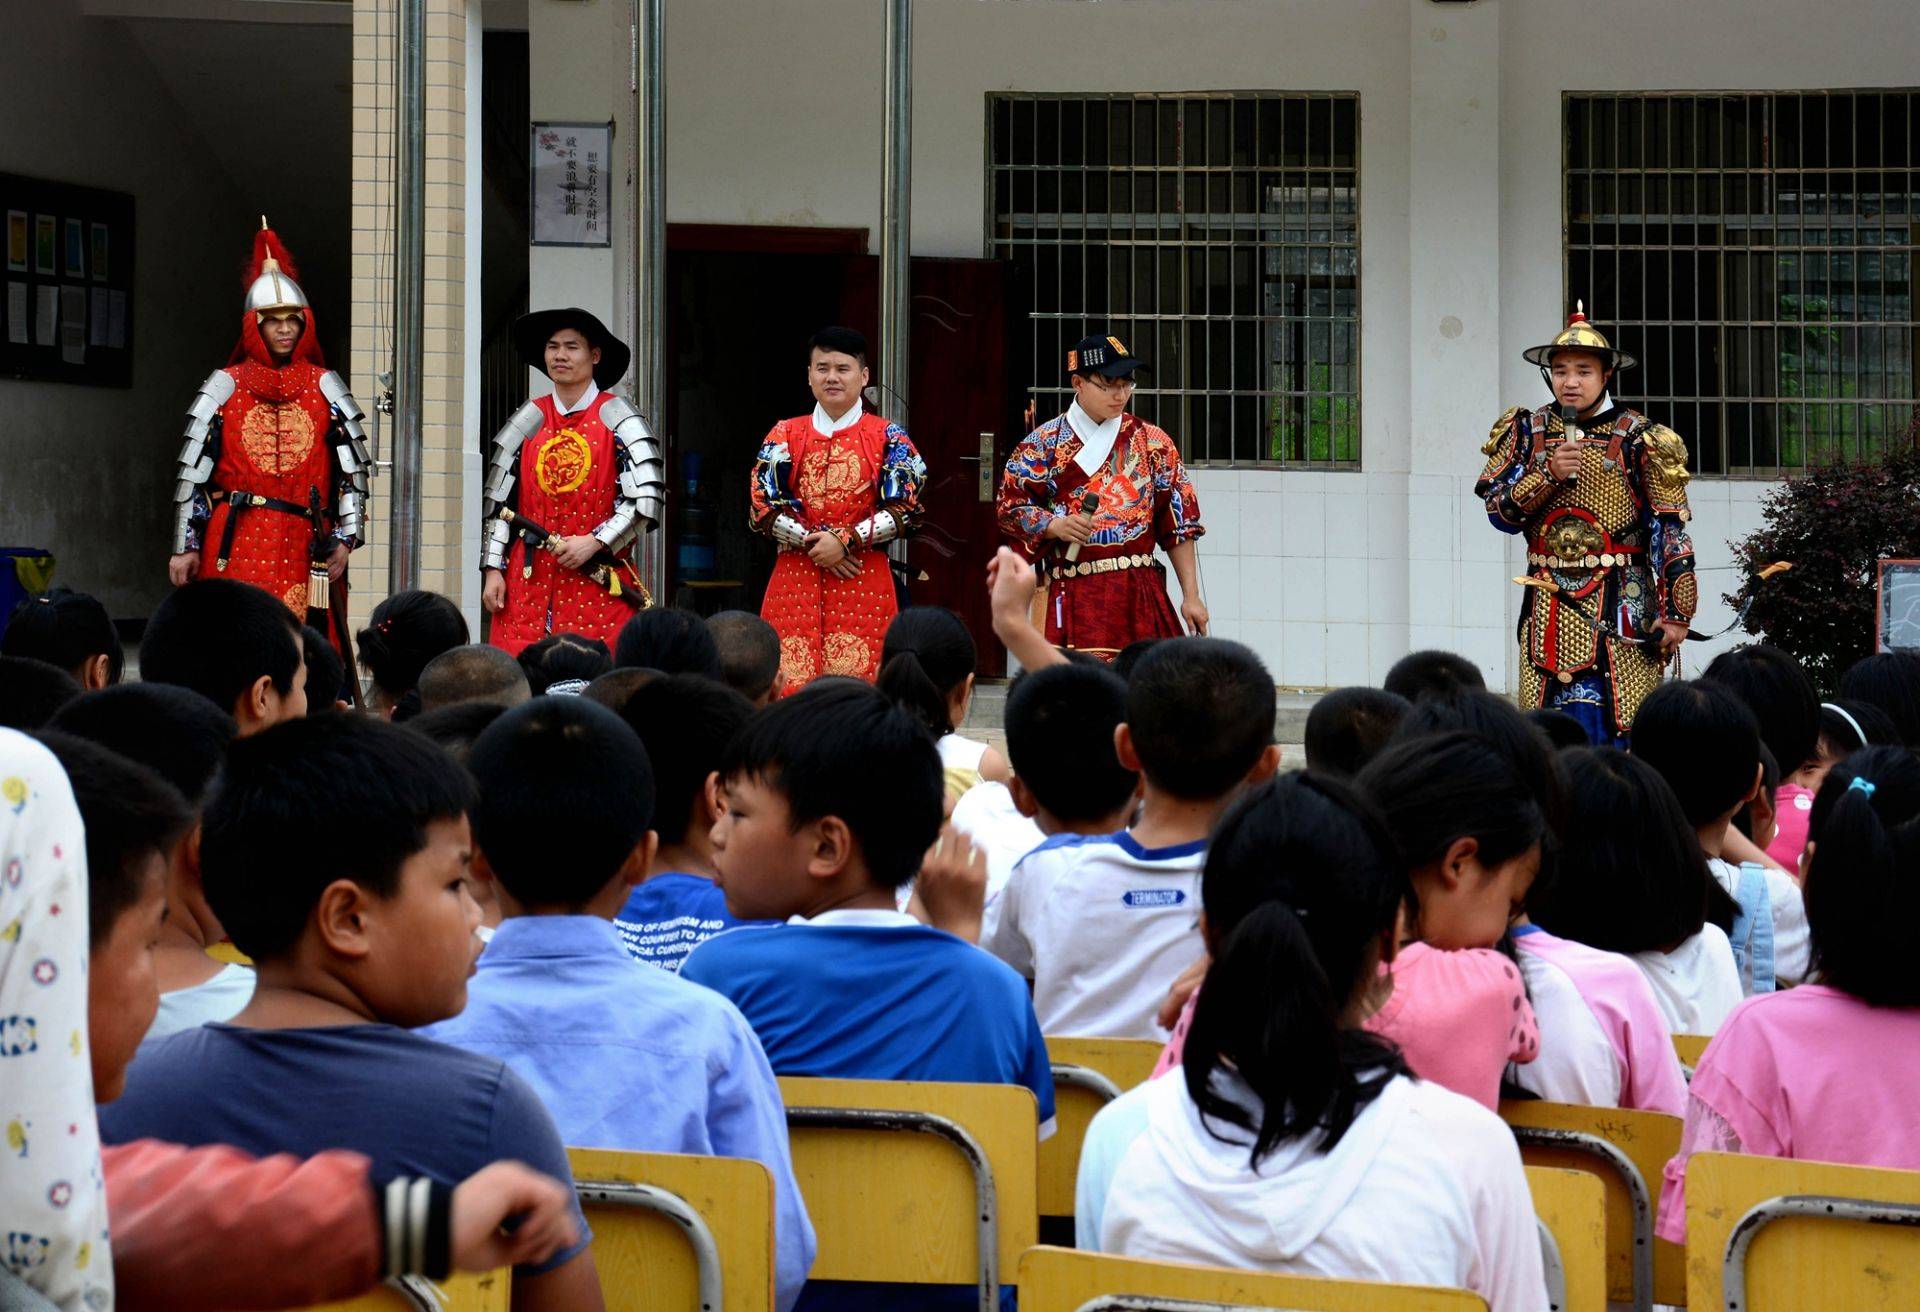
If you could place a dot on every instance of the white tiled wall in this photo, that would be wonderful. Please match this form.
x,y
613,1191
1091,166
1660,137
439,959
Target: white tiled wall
x,y
1331,577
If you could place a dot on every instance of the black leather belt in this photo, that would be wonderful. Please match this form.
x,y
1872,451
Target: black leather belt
x,y
239,501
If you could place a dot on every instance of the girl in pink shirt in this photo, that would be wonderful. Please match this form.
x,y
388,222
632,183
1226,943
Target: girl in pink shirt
x,y
1783,700
1826,1071
1470,831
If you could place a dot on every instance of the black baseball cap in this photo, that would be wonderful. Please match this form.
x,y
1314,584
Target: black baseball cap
x,y
1102,355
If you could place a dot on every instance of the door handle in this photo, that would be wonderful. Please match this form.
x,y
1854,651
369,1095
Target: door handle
x,y
985,459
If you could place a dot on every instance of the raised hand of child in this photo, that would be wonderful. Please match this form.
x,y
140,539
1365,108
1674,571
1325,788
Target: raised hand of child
x,y
1183,988
953,885
486,1200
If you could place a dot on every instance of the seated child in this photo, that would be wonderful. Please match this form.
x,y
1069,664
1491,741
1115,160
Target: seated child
x,y
477,672
235,645
1470,833
749,650
68,629
457,727
1631,879
686,722
1422,674
832,797
563,664
1706,745
624,1056
926,667
364,931
1889,681
408,630
1103,925
183,738
1349,726
1846,726
206,1227
31,691
1826,1072
1057,792
667,639
1787,709
1292,1139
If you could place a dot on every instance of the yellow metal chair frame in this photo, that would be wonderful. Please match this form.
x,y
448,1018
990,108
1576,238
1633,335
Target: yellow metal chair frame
x,y
1563,1127
1101,1068
485,1291
826,1104
1717,1185
1063,1280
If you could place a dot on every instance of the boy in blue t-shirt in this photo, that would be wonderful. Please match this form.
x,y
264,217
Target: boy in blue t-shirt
x,y
335,850
832,799
685,720
623,1055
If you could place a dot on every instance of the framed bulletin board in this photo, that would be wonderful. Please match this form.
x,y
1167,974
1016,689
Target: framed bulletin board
x,y
1897,608
67,312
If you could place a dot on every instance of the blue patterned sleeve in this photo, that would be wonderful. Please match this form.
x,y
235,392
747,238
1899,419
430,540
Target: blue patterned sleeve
x,y
772,483
903,474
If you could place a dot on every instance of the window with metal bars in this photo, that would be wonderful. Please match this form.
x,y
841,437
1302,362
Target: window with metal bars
x,y
1756,252
1217,235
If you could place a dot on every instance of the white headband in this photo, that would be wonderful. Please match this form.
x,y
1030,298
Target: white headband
x,y
1841,711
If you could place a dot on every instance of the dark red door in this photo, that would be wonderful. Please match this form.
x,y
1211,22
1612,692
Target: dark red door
x,y
963,412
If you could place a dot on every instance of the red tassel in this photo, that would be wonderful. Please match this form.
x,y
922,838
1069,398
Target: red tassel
x,y
267,245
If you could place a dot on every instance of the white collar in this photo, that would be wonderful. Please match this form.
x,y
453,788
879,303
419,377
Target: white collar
x,y
587,398
828,427
860,918
1096,440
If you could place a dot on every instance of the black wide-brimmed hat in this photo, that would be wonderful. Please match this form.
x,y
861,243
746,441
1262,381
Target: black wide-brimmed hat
x,y
531,331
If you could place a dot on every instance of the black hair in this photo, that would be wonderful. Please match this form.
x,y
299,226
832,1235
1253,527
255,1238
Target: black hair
x,y
565,765
749,650
175,732
1848,724
1348,727
1060,721
1511,734
332,796
1200,713
1779,694
1889,680
1561,729
131,815
826,749
927,654
326,672
1769,785
1130,655
1437,789
562,656
217,636
1704,742
1300,886
406,631
615,687
1631,875
669,640
843,341
1421,673
686,722
457,726
32,692
477,671
1863,879
64,628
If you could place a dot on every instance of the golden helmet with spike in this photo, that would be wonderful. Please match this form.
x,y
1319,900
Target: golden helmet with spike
x,y
1579,335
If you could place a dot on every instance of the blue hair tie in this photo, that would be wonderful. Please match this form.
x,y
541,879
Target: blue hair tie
x,y
1863,785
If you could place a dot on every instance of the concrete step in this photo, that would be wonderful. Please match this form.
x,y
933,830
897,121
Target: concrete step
x,y
986,718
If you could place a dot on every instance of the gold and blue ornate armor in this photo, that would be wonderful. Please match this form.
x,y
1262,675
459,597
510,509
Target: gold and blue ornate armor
x,y
1613,540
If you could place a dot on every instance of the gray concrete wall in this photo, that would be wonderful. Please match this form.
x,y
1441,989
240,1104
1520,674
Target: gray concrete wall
x,y
88,471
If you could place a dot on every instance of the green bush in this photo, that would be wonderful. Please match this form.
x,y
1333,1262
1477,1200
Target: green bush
x,y
1834,523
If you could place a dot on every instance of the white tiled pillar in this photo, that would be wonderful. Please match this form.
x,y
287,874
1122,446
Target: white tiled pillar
x,y
1457,564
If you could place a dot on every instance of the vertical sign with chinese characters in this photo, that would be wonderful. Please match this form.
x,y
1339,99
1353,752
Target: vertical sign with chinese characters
x,y
572,187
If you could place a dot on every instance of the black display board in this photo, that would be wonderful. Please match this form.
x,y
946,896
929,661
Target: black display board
x,y
67,312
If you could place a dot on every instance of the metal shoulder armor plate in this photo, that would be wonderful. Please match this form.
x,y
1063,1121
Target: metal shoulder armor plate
x,y
643,474
521,425
1499,431
195,461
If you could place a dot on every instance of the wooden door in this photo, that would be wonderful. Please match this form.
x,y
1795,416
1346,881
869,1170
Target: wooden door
x,y
964,413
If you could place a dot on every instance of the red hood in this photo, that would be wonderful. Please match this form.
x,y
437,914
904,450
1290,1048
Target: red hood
x,y
251,346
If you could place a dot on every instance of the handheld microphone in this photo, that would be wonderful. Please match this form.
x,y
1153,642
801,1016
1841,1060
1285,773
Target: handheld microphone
x,y
1570,419
1089,502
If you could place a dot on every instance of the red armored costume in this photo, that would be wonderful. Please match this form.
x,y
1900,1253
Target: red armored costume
x,y
273,475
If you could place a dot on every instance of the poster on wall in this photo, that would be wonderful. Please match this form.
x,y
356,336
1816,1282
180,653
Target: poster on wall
x,y
67,313
1898,621
572,203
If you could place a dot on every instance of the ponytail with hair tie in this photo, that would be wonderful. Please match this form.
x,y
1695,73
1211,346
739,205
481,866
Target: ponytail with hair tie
x,y
1862,883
